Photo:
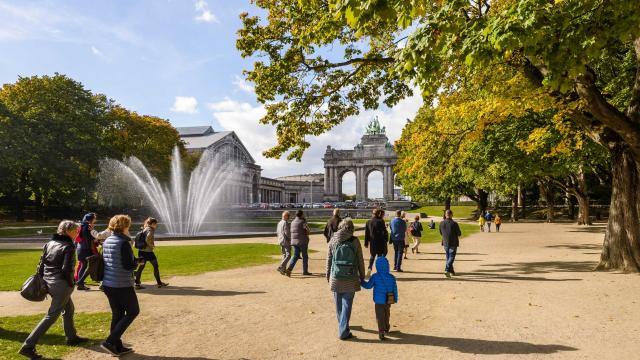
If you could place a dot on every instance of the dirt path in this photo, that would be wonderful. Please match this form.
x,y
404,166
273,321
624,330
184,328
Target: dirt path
x,y
527,292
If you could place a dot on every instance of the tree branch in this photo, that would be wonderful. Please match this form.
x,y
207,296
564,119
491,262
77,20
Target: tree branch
x,y
367,61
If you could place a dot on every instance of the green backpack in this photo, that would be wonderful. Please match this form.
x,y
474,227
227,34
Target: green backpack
x,y
344,260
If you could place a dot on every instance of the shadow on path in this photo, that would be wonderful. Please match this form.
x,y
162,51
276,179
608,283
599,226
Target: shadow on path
x,y
576,246
467,346
192,291
591,229
543,267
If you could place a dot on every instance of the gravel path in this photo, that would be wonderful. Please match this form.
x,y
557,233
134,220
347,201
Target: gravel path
x,y
525,293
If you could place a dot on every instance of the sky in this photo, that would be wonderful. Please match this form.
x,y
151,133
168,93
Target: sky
x,y
175,59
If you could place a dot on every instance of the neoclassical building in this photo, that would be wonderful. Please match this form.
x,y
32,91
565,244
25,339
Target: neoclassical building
x,y
373,153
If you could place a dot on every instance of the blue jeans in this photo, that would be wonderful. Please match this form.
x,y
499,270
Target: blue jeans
x,y
344,303
450,252
398,248
297,249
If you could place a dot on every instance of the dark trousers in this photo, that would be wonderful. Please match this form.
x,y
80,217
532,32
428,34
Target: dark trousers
x,y
81,269
497,227
398,248
383,314
124,309
154,263
297,251
377,252
450,253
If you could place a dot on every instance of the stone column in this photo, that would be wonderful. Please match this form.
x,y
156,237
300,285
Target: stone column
x,y
358,182
326,182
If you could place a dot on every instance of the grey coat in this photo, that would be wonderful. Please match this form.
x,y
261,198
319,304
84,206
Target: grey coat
x,y
299,235
284,233
344,285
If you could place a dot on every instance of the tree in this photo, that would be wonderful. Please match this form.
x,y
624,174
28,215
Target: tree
x,y
574,51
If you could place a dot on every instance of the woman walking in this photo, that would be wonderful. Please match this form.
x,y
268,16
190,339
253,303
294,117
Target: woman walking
x,y
146,253
87,245
345,271
416,233
56,267
119,264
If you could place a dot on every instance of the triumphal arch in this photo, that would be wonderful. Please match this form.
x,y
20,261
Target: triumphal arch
x,y
373,153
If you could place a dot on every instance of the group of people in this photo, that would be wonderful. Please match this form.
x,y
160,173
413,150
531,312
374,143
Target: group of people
x,y
485,219
122,273
345,267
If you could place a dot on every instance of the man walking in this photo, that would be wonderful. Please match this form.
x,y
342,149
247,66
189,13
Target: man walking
x,y
488,217
398,232
332,225
376,236
284,239
450,232
300,241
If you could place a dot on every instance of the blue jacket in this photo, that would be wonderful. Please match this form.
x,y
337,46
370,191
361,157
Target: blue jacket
x,y
382,282
398,229
488,217
119,262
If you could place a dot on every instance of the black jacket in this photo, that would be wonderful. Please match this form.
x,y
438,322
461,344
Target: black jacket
x,y
450,231
58,259
376,234
331,227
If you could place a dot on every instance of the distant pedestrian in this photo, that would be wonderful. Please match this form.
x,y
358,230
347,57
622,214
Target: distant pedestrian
x,y
284,240
86,245
498,222
488,217
332,225
481,221
118,282
415,229
385,293
147,252
398,231
56,268
450,233
432,224
406,235
300,241
344,272
376,237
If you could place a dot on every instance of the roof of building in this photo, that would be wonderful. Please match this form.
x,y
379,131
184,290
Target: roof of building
x,y
203,142
302,177
195,131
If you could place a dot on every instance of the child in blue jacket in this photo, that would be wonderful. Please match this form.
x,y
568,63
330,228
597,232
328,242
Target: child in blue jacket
x,y
385,293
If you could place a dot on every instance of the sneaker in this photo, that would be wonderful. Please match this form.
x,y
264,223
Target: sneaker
x,y
110,348
350,336
288,273
83,287
452,273
139,287
447,274
281,271
30,353
76,341
163,284
125,350
381,336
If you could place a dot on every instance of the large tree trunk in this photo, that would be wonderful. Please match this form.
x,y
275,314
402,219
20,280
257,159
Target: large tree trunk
x,y
484,200
621,248
447,206
583,200
514,207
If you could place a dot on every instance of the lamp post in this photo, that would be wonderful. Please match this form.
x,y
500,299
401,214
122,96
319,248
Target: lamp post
x,y
311,189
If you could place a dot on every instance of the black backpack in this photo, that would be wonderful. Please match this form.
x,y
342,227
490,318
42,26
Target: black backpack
x,y
141,240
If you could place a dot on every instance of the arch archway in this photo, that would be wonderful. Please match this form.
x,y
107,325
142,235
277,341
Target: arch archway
x,y
346,184
374,188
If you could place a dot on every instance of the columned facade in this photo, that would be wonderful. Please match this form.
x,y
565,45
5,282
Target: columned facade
x,y
374,153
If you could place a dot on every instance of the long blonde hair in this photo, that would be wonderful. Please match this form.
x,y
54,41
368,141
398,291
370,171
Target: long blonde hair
x,y
150,221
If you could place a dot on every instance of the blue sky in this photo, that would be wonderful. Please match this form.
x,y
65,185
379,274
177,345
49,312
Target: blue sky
x,y
170,58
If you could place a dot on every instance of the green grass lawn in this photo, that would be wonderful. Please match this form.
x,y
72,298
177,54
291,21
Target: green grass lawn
x,y
433,236
17,265
14,329
459,212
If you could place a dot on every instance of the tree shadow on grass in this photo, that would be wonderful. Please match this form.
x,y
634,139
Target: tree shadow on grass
x,y
467,346
17,338
192,291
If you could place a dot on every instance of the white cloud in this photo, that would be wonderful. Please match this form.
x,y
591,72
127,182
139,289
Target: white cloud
x,y
203,12
243,118
243,85
185,104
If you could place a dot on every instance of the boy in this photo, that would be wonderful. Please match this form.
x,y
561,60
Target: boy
x,y
385,293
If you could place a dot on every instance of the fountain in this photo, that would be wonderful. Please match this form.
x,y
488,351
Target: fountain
x,y
182,211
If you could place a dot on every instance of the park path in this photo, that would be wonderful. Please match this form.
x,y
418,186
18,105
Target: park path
x,y
525,293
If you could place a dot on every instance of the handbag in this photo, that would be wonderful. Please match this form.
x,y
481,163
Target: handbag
x,y
390,298
95,268
35,288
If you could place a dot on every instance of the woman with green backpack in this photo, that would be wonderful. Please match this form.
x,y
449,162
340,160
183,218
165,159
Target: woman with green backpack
x,y
345,270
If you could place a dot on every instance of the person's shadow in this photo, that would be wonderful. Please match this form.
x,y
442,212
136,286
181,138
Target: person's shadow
x,y
192,291
467,346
